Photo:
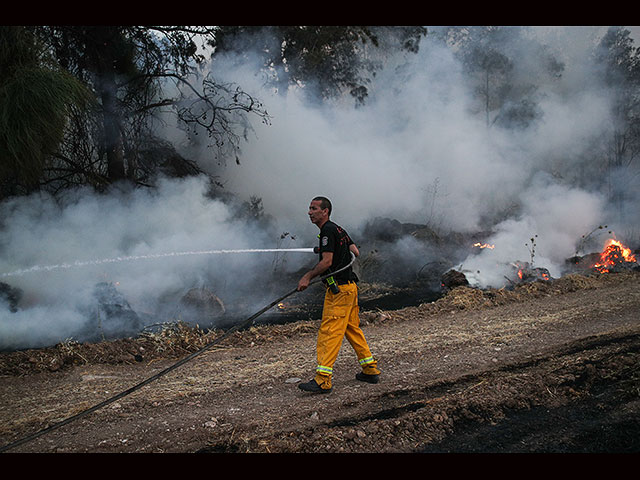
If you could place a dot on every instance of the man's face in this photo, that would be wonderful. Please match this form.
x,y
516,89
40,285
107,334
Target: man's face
x,y
317,214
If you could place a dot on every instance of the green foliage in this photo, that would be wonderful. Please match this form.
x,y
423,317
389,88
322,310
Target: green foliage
x,y
34,106
497,61
35,102
618,56
327,59
135,72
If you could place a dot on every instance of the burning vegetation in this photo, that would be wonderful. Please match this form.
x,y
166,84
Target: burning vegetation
x,y
615,254
615,257
386,282
526,272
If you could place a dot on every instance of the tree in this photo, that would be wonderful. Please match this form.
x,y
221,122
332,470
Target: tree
x,y
135,74
619,70
506,68
36,101
328,60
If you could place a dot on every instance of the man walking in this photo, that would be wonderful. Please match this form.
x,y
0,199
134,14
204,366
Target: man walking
x,y
340,317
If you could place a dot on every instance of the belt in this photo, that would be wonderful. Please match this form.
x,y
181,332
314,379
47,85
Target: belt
x,y
344,282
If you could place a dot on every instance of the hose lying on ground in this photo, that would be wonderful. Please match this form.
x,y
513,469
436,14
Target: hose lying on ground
x,y
186,359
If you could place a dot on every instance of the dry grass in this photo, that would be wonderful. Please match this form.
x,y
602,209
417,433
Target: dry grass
x,y
469,298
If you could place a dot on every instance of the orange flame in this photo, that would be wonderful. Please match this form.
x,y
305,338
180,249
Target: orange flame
x,y
614,252
484,245
526,272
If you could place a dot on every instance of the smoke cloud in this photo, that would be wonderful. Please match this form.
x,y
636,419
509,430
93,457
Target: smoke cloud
x,y
42,242
414,153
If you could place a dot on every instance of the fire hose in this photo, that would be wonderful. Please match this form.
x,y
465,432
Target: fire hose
x,y
181,362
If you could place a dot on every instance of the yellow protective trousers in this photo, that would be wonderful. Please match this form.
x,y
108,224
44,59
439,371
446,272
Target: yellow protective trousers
x,y
340,319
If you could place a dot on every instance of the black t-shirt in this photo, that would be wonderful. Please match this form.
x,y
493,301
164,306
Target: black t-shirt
x,y
335,239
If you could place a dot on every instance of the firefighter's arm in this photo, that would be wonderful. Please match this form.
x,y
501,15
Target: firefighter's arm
x,y
322,266
354,249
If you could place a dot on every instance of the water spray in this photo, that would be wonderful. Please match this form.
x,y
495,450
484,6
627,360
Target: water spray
x,y
47,268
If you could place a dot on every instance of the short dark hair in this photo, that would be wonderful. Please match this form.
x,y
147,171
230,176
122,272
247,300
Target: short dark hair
x,y
324,203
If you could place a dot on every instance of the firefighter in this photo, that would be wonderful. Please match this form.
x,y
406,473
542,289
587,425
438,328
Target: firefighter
x,y
340,311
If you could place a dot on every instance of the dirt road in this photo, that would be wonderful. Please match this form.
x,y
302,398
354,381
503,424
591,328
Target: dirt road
x,y
548,367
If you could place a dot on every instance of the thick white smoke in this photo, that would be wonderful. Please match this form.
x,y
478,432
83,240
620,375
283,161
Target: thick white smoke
x,y
414,153
554,217
177,217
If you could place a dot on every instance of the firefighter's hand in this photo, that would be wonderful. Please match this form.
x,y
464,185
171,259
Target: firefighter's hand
x,y
303,283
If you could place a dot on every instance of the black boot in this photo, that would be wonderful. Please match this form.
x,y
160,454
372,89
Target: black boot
x,y
313,387
363,377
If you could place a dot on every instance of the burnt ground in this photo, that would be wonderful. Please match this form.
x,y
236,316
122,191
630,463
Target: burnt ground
x,y
547,367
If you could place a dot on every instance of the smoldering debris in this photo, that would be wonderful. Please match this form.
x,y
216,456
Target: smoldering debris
x,y
200,306
110,316
10,295
452,279
614,258
519,273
